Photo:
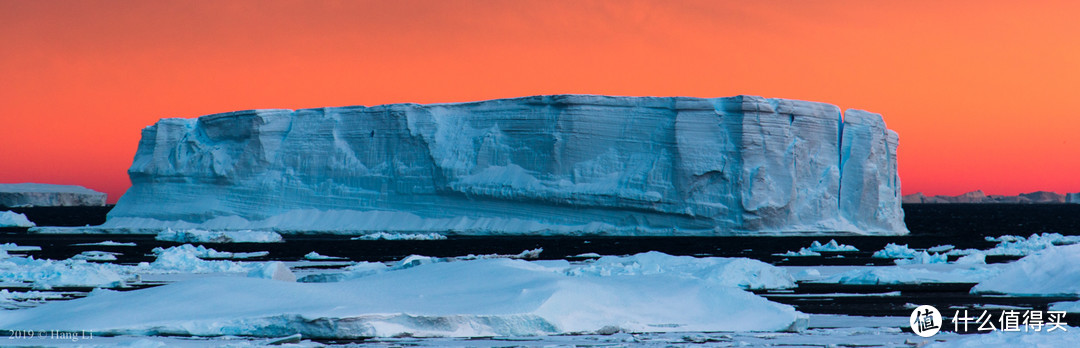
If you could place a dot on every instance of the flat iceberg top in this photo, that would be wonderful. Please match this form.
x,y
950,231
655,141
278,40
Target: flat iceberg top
x,y
561,164
46,188
740,102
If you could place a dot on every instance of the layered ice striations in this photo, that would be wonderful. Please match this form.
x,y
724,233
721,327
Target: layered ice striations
x,y
564,164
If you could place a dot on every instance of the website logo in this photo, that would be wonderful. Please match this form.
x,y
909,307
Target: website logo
x,y
925,321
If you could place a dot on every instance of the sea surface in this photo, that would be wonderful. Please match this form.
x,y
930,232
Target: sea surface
x,y
961,225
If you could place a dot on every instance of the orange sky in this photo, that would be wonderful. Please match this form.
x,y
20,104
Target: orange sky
x,y
983,94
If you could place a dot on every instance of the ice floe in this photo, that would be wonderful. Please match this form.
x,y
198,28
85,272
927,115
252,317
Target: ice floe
x,y
893,251
400,236
1051,271
320,257
77,272
96,256
816,248
204,236
1018,245
106,243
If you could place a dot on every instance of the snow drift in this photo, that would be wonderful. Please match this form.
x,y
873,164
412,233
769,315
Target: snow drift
x,y
564,164
483,297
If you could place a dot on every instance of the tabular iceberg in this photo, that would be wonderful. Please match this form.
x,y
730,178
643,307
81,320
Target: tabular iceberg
x,y
32,194
563,164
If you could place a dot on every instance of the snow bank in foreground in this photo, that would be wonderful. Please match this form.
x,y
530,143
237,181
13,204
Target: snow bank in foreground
x,y
400,236
204,236
740,272
16,247
485,297
908,256
1052,271
735,272
13,219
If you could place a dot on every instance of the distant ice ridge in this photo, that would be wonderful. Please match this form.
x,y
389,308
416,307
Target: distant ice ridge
x,y
203,236
649,292
13,219
31,194
564,164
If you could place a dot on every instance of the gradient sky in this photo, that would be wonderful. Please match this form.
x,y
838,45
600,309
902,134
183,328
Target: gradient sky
x,y
983,93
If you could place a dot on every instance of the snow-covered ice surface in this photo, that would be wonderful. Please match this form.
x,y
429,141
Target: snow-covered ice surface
x,y
483,297
893,251
13,219
33,194
1051,271
564,164
340,292
204,236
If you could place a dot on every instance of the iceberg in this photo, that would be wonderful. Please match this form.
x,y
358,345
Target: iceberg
x,y
545,165
32,194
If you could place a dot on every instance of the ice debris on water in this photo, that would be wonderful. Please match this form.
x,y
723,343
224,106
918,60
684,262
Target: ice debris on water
x,y
315,256
816,248
78,272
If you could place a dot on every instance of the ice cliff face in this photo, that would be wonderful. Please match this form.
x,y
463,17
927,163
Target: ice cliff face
x,y
562,164
30,194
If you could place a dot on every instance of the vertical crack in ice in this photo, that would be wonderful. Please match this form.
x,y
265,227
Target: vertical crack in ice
x,y
840,156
